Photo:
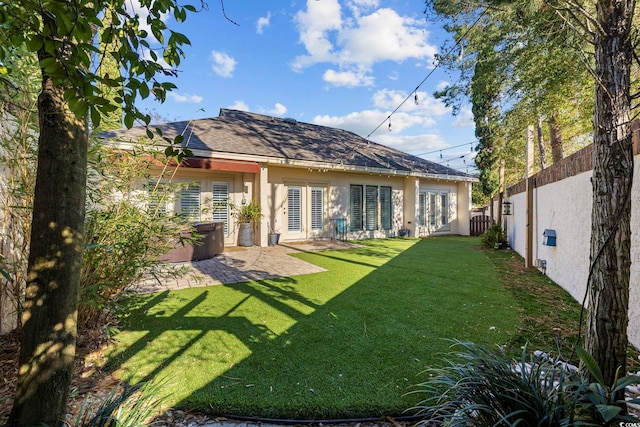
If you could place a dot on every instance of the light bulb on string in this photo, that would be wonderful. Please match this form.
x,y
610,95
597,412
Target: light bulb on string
x,y
415,98
389,125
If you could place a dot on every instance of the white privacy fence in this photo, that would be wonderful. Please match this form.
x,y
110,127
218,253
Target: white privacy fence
x,y
558,200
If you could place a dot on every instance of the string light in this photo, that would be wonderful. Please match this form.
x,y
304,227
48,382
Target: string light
x,y
437,65
440,150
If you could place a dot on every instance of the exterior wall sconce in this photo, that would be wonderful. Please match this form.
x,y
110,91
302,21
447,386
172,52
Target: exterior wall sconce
x,y
506,208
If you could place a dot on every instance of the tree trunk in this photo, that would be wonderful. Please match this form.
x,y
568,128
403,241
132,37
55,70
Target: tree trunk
x,y
50,309
541,149
555,139
606,337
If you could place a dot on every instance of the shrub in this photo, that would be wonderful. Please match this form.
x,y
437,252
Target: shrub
x,y
124,406
123,238
494,237
486,388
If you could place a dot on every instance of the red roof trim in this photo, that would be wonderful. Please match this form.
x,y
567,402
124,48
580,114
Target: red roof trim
x,y
221,165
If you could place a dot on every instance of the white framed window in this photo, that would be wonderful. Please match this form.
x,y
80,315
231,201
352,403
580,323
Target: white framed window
x,y
179,198
189,201
220,204
356,208
386,208
371,207
422,209
433,210
294,209
317,209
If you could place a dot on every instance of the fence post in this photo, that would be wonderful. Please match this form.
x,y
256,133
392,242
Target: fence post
x,y
528,259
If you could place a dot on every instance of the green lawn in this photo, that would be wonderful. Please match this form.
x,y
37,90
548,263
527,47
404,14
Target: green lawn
x,y
349,342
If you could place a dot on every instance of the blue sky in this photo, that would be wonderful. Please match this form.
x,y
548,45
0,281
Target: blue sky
x,y
345,64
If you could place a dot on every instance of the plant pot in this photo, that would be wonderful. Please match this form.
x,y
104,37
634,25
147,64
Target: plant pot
x,y
274,238
245,234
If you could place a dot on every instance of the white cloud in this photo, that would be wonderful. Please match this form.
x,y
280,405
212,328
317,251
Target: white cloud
x,y
355,39
426,104
442,85
134,8
382,36
464,119
414,144
180,98
364,122
239,105
348,78
314,26
223,64
278,110
263,22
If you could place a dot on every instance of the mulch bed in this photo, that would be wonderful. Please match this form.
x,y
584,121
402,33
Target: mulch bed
x,y
88,377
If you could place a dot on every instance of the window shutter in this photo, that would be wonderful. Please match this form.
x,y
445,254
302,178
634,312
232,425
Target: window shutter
x,y
422,209
433,210
294,205
386,210
444,209
317,209
355,214
157,198
190,201
371,207
220,201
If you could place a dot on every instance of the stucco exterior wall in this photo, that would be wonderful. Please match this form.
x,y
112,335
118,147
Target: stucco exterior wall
x,y
336,185
565,206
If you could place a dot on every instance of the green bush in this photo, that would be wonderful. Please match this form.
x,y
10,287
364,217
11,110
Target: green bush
x,y
481,387
123,239
494,237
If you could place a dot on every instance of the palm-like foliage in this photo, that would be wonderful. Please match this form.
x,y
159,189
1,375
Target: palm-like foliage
x,y
485,388
480,387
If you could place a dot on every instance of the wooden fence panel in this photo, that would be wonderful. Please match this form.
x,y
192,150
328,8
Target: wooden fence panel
x,y
480,224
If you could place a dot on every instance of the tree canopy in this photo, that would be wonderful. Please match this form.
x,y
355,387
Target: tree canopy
x,y
78,45
519,63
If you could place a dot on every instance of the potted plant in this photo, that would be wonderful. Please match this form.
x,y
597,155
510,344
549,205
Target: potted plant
x,y
274,236
248,215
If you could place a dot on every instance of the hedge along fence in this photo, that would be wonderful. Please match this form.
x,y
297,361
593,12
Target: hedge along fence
x,y
562,202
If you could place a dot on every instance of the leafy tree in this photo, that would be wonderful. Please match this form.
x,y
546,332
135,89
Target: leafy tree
x,y
602,38
521,50
62,35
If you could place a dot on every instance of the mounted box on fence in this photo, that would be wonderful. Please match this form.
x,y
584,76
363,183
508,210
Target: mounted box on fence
x,y
549,237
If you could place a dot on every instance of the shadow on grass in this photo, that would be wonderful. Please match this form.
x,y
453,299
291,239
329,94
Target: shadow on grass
x,y
348,342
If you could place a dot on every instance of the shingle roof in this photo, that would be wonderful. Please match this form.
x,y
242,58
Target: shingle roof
x,y
240,132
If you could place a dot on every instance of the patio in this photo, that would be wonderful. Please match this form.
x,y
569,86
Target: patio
x,y
242,264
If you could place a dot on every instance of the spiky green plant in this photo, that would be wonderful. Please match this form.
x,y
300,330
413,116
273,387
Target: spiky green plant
x,y
124,406
481,387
